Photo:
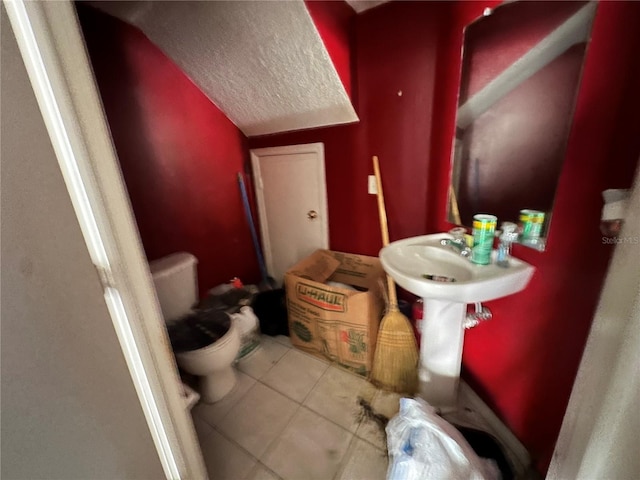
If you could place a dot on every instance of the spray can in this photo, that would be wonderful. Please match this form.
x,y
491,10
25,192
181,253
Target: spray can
x,y
531,222
484,227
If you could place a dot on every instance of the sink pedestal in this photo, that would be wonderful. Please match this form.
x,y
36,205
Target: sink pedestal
x,y
417,265
441,352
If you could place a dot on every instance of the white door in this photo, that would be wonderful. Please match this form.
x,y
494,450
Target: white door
x,y
292,203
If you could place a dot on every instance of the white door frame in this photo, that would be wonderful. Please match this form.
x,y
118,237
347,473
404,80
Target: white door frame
x,y
53,50
258,155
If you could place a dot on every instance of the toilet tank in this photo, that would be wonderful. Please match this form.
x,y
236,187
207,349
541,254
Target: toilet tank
x,y
176,282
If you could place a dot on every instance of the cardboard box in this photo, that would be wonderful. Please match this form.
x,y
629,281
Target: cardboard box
x,y
336,323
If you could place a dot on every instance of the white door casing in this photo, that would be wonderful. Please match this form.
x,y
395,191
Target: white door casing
x,y
291,195
54,54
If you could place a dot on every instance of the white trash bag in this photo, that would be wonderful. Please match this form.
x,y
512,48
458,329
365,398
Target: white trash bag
x,y
422,446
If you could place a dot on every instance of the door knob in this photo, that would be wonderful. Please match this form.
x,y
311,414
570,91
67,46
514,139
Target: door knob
x,y
312,214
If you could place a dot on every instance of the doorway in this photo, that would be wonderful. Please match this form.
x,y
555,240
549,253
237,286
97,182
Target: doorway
x,y
291,195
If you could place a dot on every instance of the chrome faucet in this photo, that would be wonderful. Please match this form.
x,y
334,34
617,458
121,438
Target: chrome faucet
x,y
458,242
508,235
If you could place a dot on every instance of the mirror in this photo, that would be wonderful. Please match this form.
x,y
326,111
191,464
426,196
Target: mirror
x,y
521,69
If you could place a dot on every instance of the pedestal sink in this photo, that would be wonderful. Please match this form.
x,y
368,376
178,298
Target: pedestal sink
x,y
409,261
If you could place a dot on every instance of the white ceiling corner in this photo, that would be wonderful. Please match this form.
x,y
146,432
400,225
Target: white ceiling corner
x,y
262,63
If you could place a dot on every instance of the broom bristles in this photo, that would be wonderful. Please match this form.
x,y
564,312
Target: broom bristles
x,y
395,361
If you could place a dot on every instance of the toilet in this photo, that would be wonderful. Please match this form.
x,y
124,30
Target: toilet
x,y
175,280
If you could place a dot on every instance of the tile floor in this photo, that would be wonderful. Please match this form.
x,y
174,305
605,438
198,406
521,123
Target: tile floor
x,y
293,416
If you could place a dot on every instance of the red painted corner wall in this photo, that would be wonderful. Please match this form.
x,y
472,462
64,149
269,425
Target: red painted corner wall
x,y
523,362
179,154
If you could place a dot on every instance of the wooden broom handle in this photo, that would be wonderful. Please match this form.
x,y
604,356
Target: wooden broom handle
x,y
381,208
384,228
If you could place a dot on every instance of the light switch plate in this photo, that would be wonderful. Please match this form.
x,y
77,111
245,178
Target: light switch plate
x,y
373,186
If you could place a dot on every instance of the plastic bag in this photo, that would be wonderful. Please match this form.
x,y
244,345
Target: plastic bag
x,y
424,446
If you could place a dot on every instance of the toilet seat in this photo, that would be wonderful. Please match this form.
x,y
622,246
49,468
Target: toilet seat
x,y
175,281
214,365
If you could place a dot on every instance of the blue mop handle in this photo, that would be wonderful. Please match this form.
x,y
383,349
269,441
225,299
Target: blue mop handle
x,y
254,235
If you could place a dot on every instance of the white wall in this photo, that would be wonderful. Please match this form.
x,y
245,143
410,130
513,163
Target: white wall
x,y
69,408
601,429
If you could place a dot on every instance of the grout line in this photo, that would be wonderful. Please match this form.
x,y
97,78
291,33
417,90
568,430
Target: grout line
x,y
264,339
269,470
274,442
281,342
269,446
314,385
299,404
238,401
253,471
345,458
255,468
236,444
201,439
383,450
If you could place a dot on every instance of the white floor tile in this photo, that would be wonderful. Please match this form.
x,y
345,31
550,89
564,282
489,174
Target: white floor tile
x,y
258,418
260,472
295,374
383,403
224,460
364,462
203,429
311,447
284,340
258,363
370,431
213,413
386,403
335,396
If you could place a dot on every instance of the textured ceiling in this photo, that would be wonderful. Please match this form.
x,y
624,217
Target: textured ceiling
x,y
262,63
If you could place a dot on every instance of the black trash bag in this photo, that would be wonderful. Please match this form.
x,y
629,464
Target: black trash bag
x,y
270,307
486,446
229,301
198,330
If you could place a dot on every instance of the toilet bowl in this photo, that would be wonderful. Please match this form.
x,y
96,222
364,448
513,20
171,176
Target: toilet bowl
x,y
176,284
213,364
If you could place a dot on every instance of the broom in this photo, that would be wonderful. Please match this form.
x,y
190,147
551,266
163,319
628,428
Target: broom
x,y
395,361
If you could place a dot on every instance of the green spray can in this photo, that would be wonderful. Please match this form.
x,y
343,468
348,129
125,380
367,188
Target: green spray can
x,y
531,222
484,227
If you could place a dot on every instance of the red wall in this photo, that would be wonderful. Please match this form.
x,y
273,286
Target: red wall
x,y
178,152
523,362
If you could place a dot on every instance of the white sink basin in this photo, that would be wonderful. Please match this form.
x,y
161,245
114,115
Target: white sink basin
x,y
408,260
